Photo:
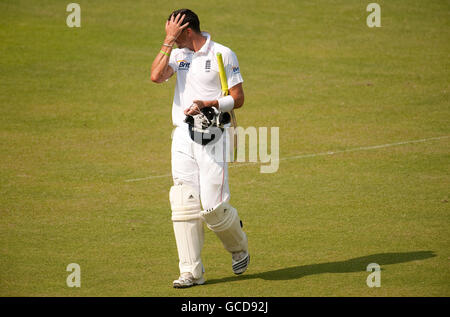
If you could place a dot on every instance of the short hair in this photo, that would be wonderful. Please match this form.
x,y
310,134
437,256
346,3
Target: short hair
x,y
190,16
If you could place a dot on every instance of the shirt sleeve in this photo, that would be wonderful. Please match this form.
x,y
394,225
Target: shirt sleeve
x,y
232,70
173,60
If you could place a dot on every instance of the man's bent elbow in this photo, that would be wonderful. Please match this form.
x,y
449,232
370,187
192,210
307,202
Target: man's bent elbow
x,y
239,102
156,78
238,95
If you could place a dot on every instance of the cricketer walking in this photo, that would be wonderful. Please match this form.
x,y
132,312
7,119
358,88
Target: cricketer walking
x,y
200,112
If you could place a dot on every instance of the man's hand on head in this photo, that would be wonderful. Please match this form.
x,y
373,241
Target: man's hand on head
x,y
174,27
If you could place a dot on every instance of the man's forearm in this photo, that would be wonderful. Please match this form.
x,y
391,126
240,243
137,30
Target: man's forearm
x,y
237,93
161,62
238,97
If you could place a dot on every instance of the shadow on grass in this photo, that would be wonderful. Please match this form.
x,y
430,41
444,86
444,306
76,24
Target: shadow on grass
x,y
348,266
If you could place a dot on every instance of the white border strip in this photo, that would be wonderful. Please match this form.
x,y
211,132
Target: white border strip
x,y
362,148
145,178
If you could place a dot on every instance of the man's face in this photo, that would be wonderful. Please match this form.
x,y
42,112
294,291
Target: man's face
x,y
183,39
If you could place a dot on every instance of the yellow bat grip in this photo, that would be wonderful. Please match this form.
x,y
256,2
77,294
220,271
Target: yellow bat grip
x,y
222,74
224,84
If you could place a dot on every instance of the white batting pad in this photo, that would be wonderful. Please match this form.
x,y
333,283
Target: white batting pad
x,y
224,221
188,228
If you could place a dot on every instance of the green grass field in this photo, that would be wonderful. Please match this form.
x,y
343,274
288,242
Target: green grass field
x,y
80,116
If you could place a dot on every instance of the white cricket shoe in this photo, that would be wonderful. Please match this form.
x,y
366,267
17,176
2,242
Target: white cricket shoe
x,y
240,261
187,280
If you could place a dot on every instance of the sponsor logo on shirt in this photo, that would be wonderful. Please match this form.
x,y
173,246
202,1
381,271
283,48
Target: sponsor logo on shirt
x,y
183,65
235,70
208,66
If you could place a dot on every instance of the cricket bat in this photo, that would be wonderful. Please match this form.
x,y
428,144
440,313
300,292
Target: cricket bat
x,y
224,85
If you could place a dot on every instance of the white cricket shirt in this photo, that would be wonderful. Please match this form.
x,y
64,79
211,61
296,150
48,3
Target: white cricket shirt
x,y
198,75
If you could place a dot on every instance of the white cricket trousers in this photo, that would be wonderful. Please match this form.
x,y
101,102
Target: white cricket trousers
x,y
206,171
194,164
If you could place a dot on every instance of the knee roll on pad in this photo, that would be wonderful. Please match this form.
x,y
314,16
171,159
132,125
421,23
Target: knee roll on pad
x,y
185,203
224,221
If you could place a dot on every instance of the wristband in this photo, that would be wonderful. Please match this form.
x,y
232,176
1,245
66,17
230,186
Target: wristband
x,y
226,104
168,45
165,53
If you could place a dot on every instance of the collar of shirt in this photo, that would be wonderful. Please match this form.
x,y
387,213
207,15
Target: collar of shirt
x,y
204,49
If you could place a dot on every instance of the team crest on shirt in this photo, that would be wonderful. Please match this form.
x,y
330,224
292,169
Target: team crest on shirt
x,y
208,66
183,65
